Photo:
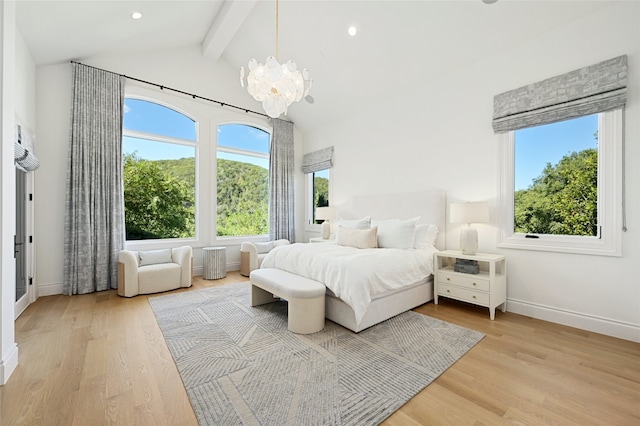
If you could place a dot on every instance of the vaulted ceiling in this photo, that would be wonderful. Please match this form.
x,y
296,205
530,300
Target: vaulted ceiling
x,y
398,43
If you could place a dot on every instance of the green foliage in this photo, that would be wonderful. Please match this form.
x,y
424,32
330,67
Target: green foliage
x,y
157,204
563,200
160,198
321,191
243,199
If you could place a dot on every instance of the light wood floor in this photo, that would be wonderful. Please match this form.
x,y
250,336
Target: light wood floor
x,y
100,359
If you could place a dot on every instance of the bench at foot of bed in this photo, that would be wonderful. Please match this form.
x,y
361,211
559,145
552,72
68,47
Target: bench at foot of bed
x,y
305,297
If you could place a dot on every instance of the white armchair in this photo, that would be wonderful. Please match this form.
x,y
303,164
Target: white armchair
x,y
144,272
252,254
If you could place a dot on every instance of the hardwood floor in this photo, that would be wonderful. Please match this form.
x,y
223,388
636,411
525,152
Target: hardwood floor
x,y
101,359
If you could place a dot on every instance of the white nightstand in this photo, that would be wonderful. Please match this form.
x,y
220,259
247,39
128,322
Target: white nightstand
x,y
486,288
320,240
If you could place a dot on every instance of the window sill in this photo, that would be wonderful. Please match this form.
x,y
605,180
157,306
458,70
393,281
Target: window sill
x,y
589,246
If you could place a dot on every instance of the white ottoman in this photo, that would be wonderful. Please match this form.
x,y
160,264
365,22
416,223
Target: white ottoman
x,y
305,297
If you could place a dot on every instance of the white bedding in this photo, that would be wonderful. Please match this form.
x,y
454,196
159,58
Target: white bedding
x,y
354,275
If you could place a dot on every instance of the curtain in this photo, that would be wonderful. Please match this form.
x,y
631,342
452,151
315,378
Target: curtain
x,y
94,204
590,90
281,200
317,160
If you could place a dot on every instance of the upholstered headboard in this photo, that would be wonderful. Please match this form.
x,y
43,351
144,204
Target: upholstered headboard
x,y
430,205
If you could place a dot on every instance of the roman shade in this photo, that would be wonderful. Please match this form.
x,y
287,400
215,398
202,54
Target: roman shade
x,y
23,155
318,160
589,90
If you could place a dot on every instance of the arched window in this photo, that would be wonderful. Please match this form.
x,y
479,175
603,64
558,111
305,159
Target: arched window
x,y
242,181
160,147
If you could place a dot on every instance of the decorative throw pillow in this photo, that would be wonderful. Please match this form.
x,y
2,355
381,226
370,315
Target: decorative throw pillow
x,y
425,236
395,233
153,257
364,223
264,247
358,238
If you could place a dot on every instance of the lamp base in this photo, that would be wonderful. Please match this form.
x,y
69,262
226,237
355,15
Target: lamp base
x,y
469,240
325,230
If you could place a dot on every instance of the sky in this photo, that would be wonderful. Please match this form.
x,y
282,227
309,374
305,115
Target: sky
x,y
168,122
537,146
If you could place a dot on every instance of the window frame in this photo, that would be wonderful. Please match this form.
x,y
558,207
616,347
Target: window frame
x,y
214,179
166,101
311,226
610,197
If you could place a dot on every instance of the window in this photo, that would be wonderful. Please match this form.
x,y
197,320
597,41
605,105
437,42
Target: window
x,y
320,190
159,146
242,181
561,186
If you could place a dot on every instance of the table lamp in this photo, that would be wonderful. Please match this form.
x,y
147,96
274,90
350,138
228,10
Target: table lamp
x,y
469,213
325,214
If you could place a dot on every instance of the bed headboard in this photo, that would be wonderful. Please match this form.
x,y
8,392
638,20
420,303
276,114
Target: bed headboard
x,y
430,205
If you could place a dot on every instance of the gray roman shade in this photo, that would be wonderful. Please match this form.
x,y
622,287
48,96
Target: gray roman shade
x,y
318,160
24,158
590,90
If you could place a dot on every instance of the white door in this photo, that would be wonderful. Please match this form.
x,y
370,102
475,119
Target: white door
x,y
22,244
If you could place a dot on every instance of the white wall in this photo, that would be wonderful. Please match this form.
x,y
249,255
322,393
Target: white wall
x,y
440,135
182,69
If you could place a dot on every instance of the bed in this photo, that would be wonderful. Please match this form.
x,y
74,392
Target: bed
x,y
413,285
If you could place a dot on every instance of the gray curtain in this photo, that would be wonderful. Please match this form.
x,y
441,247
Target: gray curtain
x,y
94,205
318,160
281,199
597,88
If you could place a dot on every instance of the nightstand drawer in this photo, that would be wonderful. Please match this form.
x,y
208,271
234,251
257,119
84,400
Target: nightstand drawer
x,y
463,294
471,281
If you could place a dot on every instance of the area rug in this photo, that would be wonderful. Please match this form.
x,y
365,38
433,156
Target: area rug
x,y
240,364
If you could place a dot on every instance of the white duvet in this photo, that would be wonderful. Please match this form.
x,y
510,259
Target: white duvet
x,y
354,275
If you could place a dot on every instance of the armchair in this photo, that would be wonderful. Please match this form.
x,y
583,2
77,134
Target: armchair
x,y
252,254
144,272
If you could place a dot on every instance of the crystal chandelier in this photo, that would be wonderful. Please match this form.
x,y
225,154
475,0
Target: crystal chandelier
x,y
276,85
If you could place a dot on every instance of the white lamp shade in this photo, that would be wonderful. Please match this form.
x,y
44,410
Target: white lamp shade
x,y
469,212
325,213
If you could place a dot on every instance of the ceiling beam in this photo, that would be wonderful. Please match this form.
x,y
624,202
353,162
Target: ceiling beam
x,y
225,25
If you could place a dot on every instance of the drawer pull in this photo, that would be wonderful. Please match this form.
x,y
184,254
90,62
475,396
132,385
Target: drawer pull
x,y
448,279
449,291
474,296
475,284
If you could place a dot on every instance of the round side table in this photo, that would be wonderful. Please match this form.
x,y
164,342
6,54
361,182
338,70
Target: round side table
x,y
214,263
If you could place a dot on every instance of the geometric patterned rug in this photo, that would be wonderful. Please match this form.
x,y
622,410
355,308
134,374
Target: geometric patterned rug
x,y
240,364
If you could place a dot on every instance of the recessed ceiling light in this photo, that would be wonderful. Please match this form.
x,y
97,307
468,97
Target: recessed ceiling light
x,y
136,15
352,31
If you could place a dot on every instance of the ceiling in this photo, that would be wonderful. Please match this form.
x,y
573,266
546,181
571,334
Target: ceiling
x,y
398,44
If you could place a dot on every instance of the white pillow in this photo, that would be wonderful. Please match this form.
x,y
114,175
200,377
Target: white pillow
x,y
153,257
364,223
264,247
358,238
425,236
395,233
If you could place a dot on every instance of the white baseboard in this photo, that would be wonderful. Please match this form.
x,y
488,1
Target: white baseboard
x,y
234,266
8,363
49,289
607,326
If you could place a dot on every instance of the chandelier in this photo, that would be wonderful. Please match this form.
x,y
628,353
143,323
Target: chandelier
x,y
276,85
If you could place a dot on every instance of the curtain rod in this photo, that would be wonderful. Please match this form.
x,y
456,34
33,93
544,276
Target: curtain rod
x,y
162,87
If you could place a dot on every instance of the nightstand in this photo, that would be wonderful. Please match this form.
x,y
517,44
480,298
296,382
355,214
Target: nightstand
x,y
486,288
320,240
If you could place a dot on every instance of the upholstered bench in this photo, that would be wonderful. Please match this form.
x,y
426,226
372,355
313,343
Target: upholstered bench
x,y
305,297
